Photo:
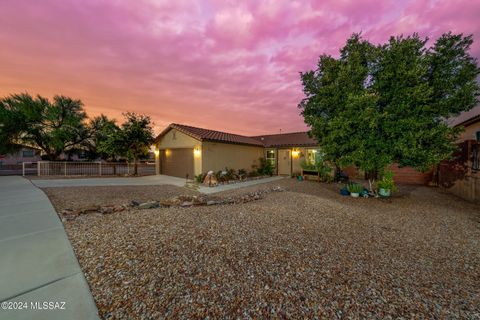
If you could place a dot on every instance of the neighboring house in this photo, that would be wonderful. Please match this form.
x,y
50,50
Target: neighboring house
x,y
470,121
25,154
461,175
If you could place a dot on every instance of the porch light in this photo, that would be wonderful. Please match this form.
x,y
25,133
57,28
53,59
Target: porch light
x,y
156,152
295,153
168,152
197,152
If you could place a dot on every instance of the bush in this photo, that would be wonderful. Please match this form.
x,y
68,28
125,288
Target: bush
x,y
320,166
200,177
265,167
354,188
242,173
387,182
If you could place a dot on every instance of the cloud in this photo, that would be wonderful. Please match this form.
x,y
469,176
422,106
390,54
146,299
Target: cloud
x,y
226,65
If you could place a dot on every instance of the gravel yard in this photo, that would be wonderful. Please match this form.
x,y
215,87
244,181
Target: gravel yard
x,y
300,253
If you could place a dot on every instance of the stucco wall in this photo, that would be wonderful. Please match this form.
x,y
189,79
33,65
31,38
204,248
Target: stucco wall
x,y
296,159
176,139
217,156
469,133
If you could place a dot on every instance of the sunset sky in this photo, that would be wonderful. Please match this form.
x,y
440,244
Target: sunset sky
x,y
225,65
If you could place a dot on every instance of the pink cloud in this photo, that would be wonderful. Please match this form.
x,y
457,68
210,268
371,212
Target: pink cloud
x,y
226,65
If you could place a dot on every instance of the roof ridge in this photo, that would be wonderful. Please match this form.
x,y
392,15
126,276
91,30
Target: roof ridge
x,y
278,134
234,134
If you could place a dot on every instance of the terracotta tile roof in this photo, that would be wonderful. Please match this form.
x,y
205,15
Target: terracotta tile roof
x,y
466,117
212,135
293,139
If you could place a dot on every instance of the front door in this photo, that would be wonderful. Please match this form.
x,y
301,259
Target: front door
x,y
284,162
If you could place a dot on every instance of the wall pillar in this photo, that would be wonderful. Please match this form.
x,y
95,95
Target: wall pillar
x,y
157,160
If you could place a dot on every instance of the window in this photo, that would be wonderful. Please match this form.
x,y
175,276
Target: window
x,y
271,157
313,155
28,153
476,156
477,135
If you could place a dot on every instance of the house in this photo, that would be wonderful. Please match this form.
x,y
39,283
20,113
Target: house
x,y
188,151
25,154
461,175
183,151
286,151
470,121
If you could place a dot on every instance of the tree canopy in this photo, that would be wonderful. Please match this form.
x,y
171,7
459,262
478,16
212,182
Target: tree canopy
x,y
376,105
52,126
132,139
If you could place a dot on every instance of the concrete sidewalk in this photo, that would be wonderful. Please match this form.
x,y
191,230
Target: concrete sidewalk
x,y
226,187
37,263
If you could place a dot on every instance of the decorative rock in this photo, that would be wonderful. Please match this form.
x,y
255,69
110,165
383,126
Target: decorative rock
x,y
149,205
187,204
134,203
106,210
210,180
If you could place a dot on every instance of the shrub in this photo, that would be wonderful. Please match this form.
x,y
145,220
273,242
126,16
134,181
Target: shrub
x,y
200,178
387,182
354,188
321,166
242,173
230,174
265,167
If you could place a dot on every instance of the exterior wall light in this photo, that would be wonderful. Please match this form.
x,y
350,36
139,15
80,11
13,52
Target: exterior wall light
x,y
168,152
295,153
197,152
156,151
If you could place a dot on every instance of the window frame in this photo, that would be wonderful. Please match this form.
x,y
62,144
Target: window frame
x,y
272,160
30,153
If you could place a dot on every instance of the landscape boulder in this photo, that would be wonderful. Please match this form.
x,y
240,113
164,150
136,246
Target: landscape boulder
x,y
149,205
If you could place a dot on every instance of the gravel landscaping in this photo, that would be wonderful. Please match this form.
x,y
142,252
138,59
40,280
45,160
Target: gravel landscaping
x,y
304,252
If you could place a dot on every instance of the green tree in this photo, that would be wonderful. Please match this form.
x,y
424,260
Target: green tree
x,y
100,144
52,126
373,106
134,138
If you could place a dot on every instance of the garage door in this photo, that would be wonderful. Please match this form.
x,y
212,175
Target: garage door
x,y
177,162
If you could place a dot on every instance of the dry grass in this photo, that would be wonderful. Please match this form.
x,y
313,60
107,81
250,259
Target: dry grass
x,y
302,253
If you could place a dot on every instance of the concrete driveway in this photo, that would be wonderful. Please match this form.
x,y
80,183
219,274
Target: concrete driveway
x,y
38,269
120,181
144,181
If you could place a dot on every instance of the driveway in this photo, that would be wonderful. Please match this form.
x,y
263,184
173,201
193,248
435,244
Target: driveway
x,y
144,181
97,182
37,263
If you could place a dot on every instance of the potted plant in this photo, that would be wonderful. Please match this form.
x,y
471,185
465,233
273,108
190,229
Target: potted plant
x,y
386,186
354,189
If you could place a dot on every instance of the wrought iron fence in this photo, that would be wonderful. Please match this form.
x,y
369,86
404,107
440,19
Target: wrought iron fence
x,y
80,168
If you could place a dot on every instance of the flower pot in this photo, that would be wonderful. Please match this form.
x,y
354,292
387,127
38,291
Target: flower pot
x,y
384,192
354,194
